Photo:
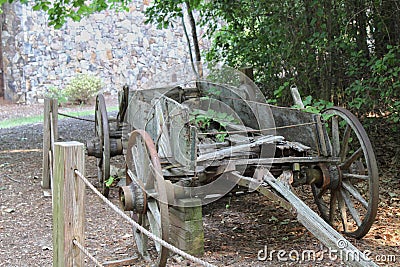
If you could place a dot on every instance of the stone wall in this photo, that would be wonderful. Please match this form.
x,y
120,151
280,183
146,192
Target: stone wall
x,y
116,46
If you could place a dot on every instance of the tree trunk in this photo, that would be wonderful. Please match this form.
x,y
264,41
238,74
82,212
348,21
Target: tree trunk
x,y
194,32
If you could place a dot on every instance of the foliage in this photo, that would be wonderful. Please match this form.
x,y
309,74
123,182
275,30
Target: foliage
x,y
59,11
109,181
344,51
205,120
315,106
83,87
378,94
332,50
164,12
57,93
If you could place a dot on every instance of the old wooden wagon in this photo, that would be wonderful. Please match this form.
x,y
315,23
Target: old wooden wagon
x,y
190,139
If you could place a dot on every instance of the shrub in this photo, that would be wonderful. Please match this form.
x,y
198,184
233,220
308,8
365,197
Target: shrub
x,y
55,92
83,87
378,94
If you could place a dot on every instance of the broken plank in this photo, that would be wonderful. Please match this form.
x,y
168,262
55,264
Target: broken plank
x,y
238,148
321,229
123,262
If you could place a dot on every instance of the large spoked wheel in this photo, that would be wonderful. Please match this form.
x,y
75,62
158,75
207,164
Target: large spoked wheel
x,y
144,170
102,130
349,201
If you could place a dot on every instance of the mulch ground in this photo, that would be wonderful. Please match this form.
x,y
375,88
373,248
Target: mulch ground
x,y
234,233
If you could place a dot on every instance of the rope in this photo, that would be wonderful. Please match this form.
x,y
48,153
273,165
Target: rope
x,y
140,228
74,117
87,253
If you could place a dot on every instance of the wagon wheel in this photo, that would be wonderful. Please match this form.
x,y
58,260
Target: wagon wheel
x,y
144,169
103,135
350,201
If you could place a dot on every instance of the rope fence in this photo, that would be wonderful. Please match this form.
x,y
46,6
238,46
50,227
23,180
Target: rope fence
x,y
69,211
75,117
141,228
87,253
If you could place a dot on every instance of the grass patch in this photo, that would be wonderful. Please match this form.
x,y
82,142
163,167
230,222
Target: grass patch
x,y
14,122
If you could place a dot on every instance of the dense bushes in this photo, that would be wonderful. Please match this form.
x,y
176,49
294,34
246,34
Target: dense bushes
x,y
378,93
82,88
346,52
79,90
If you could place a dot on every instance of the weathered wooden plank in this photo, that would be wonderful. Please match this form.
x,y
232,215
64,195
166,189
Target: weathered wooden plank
x,y
186,226
321,229
296,125
161,128
68,204
296,97
54,117
46,144
123,262
183,136
187,214
269,161
238,148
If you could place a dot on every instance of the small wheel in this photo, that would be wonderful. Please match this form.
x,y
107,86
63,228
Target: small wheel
x,y
350,201
102,130
144,169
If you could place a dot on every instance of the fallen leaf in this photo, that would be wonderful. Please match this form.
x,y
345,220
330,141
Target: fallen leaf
x,y
9,210
47,248
126,236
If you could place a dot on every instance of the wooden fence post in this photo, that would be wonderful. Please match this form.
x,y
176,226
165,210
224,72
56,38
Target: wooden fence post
x,y
50,134
46,144
68,204
54,117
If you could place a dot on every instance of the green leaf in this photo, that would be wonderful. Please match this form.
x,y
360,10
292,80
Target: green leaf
x,y
109,181
221,137
273,219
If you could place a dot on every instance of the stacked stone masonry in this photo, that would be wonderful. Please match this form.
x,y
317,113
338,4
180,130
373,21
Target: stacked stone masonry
x,y
116,46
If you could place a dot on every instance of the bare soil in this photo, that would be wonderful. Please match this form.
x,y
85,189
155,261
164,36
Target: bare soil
x,y
234,233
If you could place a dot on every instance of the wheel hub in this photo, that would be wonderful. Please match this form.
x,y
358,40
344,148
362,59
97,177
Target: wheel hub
x,y
335,176
133,198
326,177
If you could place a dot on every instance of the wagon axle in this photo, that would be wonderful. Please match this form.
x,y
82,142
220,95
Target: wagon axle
x,y
322,176
95,149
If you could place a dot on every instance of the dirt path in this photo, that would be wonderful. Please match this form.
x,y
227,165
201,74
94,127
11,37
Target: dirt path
x,y
234,235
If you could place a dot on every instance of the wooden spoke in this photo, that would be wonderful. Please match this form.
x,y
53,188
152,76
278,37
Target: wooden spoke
x,y
332,206
356,155
354,192
351,208
345,143
355,176
335,137
154,217
343,213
